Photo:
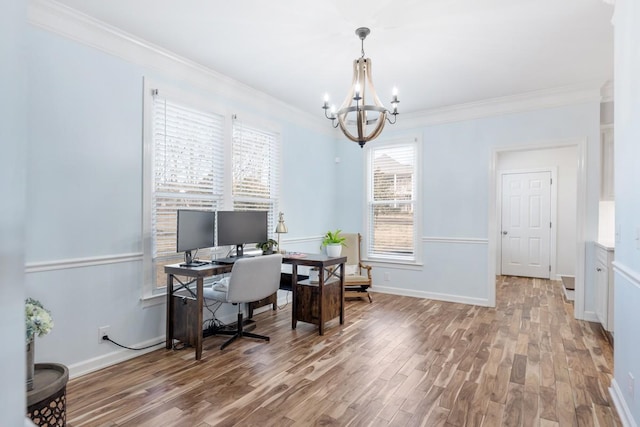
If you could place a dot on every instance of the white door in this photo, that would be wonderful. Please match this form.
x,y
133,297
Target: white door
x,y
526,224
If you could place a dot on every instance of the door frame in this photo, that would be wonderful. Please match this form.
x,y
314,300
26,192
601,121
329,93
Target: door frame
x,y
581,213
553,206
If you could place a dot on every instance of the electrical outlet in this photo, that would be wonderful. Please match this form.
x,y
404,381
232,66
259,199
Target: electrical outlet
x,y
630,385
386,276
102,332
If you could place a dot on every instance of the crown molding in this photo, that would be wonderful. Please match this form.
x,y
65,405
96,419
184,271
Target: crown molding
x,y
528,101
72,24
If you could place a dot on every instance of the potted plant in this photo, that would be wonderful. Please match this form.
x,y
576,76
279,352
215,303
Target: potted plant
x,y
333,243
267,247
38,323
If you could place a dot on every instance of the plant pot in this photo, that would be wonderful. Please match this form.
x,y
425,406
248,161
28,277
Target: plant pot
x,y
30,365
334,250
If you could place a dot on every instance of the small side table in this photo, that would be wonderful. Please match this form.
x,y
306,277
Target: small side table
x,y
47,402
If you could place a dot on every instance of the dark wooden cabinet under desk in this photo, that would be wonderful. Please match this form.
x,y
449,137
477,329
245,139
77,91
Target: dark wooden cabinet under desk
x,y
317,303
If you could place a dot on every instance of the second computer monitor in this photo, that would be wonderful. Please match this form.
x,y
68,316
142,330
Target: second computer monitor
x,y
241,227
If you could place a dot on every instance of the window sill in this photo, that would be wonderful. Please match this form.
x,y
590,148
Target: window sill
x,y
406,265
153,300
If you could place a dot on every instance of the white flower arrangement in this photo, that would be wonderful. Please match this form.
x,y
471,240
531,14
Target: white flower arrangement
x,y
38,319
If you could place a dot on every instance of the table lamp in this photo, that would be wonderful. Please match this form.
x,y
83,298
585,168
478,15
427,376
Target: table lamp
x,y
281,228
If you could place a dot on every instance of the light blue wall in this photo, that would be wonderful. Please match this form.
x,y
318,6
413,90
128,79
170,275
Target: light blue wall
x,y
455,162
13,138
84,190
627,199
85,156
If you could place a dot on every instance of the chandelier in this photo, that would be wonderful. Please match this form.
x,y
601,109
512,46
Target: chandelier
x,y
359,121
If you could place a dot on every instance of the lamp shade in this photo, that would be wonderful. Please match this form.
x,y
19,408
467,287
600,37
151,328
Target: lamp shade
x,y
281,227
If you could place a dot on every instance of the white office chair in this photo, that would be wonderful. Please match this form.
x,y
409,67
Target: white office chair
x,y
251,279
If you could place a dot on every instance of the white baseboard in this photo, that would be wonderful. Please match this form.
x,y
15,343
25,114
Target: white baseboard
x,y
120,355
621,405
590,316
431,295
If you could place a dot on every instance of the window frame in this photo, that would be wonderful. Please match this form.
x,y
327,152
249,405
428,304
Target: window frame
x,y
415,141
265,126
151,289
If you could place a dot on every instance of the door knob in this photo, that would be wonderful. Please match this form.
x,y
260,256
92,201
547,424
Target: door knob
x,y
598,269
505,232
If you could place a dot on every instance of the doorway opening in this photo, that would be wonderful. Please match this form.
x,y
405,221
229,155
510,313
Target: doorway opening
x,y
528,213
567,251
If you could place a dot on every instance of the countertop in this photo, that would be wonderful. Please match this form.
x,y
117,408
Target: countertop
x,y
606,244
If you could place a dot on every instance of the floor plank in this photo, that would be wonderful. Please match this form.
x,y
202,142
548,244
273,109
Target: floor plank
x,y
399,361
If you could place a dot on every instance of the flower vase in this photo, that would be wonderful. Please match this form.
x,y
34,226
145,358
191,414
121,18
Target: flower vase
x,y
30,364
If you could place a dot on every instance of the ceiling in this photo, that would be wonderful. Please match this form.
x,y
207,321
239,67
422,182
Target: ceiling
x,y
437,52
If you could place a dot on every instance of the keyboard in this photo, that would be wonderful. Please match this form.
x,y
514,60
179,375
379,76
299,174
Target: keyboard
x,y
229,260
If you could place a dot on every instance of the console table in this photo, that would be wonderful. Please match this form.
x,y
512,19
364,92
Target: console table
x,y
47,401
319,302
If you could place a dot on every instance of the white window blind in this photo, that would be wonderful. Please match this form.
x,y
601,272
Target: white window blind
x,y
188,172
391,207
256,170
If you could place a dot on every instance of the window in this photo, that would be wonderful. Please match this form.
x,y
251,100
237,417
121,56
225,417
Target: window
x,y
184,169
392,229
256,170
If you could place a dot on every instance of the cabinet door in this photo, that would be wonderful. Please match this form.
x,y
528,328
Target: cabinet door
x,y
602,293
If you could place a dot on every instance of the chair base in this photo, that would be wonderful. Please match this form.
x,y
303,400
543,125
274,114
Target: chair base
x,y
240,332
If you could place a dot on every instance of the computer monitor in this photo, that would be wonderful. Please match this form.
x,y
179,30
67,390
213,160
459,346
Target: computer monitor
x,y
240,227
196,230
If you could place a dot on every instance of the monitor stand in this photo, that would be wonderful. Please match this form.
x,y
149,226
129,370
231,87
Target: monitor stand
x,y
189,262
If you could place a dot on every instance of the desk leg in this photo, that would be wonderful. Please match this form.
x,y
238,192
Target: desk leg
x,y
198,327
321,301
169,331
294,303
342,294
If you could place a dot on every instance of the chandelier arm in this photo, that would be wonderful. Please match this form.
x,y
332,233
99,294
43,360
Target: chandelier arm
x,y
369,79
363,107
378,129
346,132
380,122
361,124
350,94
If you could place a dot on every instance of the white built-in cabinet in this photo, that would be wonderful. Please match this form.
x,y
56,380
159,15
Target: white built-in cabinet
x,y
604,286
606,145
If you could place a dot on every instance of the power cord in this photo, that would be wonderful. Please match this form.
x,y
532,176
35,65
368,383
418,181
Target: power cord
x,y
286,301
106,338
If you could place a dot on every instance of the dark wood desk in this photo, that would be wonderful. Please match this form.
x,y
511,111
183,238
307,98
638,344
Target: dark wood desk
x,y
314,303
318,302
184,305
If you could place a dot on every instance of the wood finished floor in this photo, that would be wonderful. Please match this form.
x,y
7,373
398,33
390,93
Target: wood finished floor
x,y
399,361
